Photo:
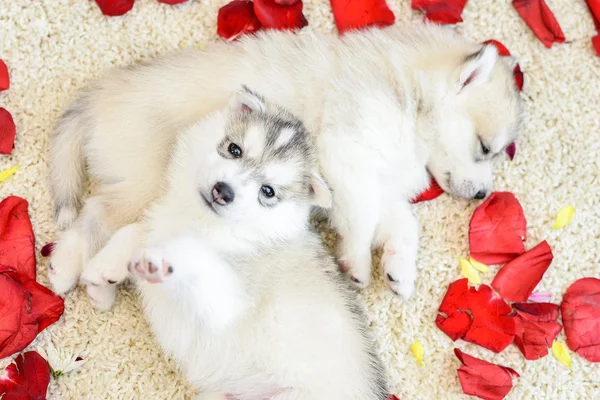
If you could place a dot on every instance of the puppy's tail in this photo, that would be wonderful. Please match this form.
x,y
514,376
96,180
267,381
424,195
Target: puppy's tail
x,y
67,164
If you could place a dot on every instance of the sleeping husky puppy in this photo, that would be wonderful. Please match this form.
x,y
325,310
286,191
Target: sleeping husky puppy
x,y
235,286
386,106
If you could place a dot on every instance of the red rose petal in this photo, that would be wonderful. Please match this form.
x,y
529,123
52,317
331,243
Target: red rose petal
x,y
497,229
580,310
22,334
47,249
511,150
286,2
46,306
594,7
40,309
172,2
392,397
7,132
454,319
12,303
27,379
476,316
26,307
516,280
596,44
281,17
114,8
492,327
434,190
236,19
17,243
536,328
441,11
483,379
352,15
519,78
538,16
4,77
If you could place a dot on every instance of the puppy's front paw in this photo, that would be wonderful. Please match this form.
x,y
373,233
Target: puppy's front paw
x,y
151,266
108,267
399,273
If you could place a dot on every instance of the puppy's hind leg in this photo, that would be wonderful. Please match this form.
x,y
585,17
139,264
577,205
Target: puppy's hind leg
x,y
66,261
399,234
355,216
76,245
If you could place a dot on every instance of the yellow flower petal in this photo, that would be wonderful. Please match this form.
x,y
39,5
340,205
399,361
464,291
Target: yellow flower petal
x,y
417,349
7,173
561,353
201,47
564,217
481,267
469,272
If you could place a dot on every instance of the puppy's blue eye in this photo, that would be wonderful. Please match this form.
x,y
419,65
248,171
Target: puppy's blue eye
x,y
267,191
234,150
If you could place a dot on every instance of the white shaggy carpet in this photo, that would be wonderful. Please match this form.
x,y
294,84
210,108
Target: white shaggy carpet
x,y
53,47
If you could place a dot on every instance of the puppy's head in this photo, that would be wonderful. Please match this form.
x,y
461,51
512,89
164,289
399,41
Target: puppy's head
x,y
476,121
255,168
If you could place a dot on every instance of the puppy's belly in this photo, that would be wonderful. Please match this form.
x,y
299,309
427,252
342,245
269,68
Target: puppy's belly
x,y
212,363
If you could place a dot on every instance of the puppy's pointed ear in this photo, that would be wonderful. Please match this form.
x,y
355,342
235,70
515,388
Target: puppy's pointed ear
x,y
320,194
478,67
246,100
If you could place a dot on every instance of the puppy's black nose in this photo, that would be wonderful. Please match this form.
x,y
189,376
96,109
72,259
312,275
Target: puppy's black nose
x,y
480,195
222,193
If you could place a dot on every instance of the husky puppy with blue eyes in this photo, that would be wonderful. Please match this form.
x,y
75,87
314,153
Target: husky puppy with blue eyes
x,y
236,287
387,107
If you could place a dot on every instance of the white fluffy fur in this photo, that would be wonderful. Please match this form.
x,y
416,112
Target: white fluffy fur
x,y
384,105
247,302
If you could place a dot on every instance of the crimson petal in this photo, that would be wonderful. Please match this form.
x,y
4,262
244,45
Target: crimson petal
x,y
434,190
540,19
483,379
46,306
17,243
172,2
476,316
510,150
113,8
454,319
236,19
580,310
27,379
516,280
352,15
281,17
440,11
493,327
7,132
497,229
594,7
536,328
4,77
13,301
47,249
22,333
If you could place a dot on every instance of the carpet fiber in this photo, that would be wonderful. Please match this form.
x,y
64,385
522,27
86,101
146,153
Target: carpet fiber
x,y
53,47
